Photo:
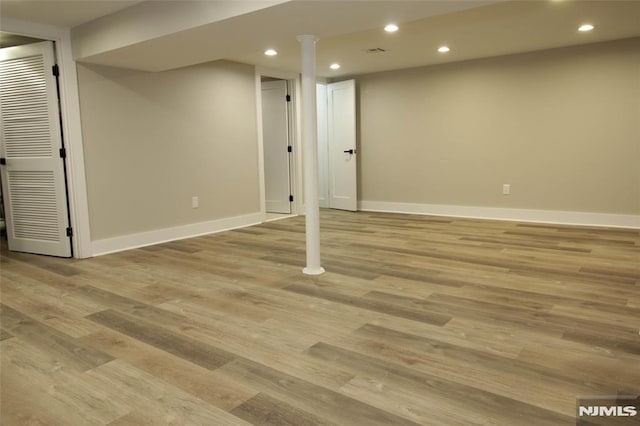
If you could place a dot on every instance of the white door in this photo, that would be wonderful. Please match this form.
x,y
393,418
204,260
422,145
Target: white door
x,y
33,174
341,134
275,137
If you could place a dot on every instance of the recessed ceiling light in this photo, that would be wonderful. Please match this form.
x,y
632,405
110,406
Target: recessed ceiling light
x,y
391,28
270,52
334,66
443,49
585,27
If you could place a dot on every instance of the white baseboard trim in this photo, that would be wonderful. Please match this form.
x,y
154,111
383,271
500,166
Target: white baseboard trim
x,y
132,241
494,213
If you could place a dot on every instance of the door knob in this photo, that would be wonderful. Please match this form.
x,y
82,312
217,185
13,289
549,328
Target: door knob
x,y
350,151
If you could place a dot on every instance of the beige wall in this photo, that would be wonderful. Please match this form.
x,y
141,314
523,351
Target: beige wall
x,y
154,140
561,126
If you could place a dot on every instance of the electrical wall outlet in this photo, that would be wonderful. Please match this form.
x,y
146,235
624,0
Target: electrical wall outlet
x,y
506,189
195,202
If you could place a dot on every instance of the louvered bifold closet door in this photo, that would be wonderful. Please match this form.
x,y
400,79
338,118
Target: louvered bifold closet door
x,y
33,178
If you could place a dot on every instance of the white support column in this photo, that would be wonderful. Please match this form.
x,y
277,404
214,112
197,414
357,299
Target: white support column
x,y
310,154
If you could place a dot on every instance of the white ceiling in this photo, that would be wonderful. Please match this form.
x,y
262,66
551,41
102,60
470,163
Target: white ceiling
x,y
473,29
66,13
492,30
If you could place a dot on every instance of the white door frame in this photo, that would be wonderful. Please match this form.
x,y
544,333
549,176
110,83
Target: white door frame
x,y
37,221
297,207
343,167
71,126
276,133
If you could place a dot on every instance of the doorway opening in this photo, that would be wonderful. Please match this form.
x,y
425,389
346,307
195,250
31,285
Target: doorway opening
x,y
337,145
32,152
278,134
276,142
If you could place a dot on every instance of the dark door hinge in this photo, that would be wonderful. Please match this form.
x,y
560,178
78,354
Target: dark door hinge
x,y
3,161
63,153
289,148
55,70
288,98
290,198
69,232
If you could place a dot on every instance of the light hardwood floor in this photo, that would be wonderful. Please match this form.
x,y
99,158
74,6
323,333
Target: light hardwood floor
x,y
419,320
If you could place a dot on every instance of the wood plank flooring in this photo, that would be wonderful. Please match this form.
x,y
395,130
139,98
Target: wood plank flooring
x,y
419,320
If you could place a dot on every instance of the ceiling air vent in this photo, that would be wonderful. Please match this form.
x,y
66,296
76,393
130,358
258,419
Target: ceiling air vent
x,y
376,50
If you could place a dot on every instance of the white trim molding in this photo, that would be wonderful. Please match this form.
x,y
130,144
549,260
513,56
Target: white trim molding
x,y
495,213
143,239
